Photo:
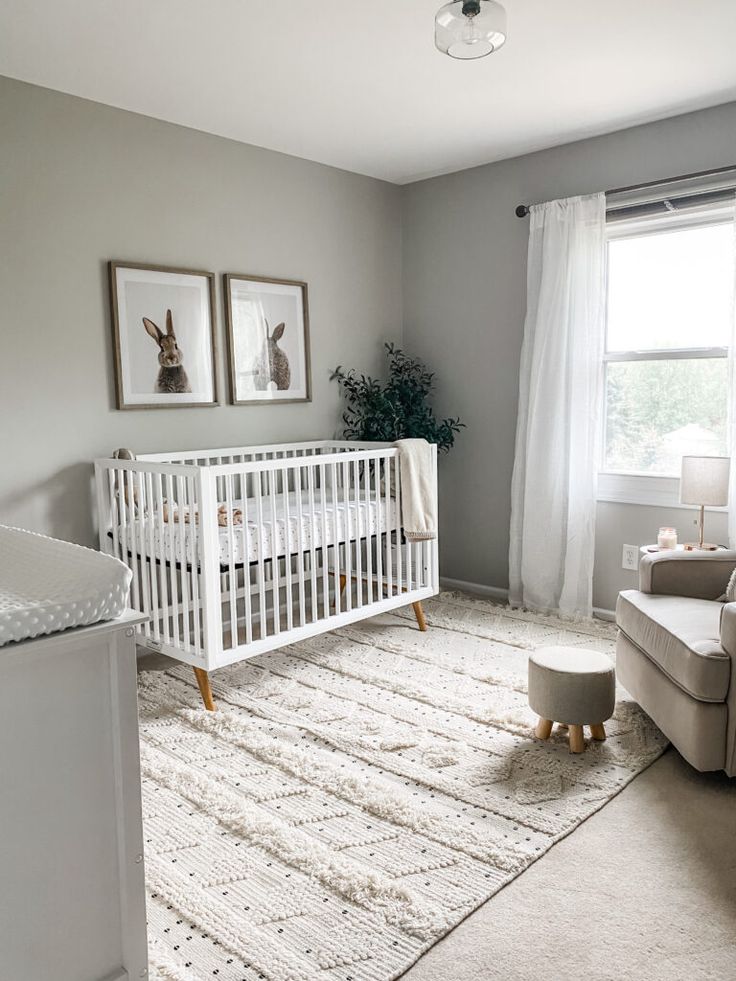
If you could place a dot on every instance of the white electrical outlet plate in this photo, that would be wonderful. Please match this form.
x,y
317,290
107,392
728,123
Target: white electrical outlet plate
x,y
630,558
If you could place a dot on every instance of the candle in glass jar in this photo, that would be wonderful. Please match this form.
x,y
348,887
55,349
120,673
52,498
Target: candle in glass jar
x,y
667,538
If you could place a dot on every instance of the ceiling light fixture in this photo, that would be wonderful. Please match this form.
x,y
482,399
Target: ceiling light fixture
x,y
468,29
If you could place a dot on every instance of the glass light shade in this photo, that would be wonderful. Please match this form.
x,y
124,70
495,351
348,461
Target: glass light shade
x,y
704,480
468,29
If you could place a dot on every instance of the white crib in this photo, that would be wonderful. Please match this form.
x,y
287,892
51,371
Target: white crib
x,y
239,551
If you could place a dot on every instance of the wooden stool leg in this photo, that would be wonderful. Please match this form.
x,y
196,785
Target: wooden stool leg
x,y
598,732
343,580
577,740
419,614
544,729
203,680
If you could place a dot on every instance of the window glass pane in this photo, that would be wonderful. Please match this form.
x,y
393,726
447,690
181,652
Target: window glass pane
x,y
659,411
671,289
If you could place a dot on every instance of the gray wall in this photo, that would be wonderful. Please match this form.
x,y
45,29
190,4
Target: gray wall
x,y
464,302
82,183
636,525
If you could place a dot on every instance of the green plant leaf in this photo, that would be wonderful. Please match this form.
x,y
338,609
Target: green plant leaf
x,y
398,408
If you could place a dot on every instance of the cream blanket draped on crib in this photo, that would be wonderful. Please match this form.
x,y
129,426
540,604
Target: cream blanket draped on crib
x,y
418,501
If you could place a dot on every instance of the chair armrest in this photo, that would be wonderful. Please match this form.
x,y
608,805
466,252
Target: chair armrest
x,y
728,643
728,629
700,575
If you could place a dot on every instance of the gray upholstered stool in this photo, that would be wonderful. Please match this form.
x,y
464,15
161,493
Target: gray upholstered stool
x,y
574,688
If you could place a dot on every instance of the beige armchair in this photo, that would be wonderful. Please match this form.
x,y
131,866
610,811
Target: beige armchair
x,y
676,652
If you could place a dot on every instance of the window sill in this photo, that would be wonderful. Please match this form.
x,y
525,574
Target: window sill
x,y
642,489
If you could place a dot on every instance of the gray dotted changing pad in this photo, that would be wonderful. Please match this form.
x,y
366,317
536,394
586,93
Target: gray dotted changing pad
x,y
47,585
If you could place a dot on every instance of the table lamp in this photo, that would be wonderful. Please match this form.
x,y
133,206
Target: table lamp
x,y
704,481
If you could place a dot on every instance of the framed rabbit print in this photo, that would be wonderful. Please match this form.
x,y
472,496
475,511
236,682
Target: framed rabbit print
x,y
164,336
268,339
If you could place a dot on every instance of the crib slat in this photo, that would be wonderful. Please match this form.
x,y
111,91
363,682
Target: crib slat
x,y
287,550
125,554
359,533
312,543
195,559
336,535
409,563
325,554
141,549
387,518
231,572
152,567
261,564
350,534
114,513
162,567
368,538
132,550
171,552
301,557
271,485
399,525
376,509
245,553
183,500
434,580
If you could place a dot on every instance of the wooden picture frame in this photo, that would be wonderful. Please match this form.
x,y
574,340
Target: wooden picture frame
x,y
268,339
171,309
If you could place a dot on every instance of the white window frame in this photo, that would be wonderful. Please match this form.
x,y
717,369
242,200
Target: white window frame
x,y
657,490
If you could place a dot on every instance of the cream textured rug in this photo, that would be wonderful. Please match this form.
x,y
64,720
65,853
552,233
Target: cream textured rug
x,y
359,794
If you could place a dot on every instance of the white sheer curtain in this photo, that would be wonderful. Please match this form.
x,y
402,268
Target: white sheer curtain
x,y
732,404
554,482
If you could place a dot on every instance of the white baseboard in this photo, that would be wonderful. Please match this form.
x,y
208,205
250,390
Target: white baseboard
x,y
498,593
494,592
604,614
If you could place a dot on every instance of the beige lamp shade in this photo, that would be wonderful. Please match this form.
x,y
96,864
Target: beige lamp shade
x,y
704,480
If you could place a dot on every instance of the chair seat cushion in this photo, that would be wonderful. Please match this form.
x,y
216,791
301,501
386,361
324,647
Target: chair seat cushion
x,y
682,637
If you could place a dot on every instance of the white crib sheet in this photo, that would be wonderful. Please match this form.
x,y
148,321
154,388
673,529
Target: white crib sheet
x,y
48,585
353,521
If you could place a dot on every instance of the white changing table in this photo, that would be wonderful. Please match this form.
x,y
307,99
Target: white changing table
x,y
72,899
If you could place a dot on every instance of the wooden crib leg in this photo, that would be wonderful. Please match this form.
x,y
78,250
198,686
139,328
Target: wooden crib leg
x,y
203,680
419,614
343,580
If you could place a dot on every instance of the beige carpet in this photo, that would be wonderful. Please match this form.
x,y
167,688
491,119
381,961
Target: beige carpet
x,y
358,795
643,891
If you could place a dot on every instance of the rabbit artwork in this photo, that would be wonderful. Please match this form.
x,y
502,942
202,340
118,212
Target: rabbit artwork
x,y
172,379
273,365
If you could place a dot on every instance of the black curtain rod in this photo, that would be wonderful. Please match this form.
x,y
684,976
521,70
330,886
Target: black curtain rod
x,y
522,210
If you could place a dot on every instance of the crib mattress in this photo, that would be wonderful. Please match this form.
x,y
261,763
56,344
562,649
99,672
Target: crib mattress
x,y
172,541
48,585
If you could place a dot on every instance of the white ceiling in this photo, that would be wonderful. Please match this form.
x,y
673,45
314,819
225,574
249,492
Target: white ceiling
x,y
358,84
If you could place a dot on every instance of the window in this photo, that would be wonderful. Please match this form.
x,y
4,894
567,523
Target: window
x,y
669,322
